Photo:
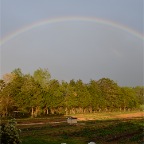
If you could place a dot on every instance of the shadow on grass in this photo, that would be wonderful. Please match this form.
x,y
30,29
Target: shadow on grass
x,y
99,131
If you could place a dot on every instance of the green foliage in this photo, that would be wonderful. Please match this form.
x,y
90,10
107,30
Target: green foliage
x,y
37,95
10,134
17,72
142,107
111,93
130,100
96,95
42,76
139,90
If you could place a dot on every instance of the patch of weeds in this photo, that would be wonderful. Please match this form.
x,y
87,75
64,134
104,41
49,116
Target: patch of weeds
x,y
138,137
31,140
64,136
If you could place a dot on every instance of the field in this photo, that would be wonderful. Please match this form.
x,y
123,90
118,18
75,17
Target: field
x,y
102,128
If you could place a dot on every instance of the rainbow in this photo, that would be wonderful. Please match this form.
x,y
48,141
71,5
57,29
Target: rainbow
x,y
69,19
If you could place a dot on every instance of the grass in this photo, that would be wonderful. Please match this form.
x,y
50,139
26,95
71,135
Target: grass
x,y
104,129
110,131
103,115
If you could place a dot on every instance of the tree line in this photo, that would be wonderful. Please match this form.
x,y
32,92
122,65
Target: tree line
x,y
39,95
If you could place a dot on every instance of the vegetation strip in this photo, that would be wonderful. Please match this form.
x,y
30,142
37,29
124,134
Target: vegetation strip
x,y
37,95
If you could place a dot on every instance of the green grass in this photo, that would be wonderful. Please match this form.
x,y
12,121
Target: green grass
x,y
106,128
100,131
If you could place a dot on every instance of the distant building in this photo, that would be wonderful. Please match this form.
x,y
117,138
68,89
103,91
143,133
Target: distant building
x,y
72,120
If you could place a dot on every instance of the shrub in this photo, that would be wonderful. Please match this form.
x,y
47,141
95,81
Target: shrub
x,y
9,133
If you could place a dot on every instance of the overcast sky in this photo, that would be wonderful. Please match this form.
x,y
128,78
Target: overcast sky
x,y
74,39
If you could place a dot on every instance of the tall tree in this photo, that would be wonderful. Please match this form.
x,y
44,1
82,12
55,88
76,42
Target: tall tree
x,y
84,97
96,95
111,93
139,90
30,97
8,93
71,101
42,76
130,98
55,96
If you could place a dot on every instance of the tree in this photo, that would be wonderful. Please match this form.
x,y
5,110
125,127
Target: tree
x,y
84,97
129,97
70,98
111,93
17,72
96,95
7,78
31,95
42,76
54,98
9,94
139,90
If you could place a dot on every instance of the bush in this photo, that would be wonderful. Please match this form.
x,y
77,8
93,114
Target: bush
x,y
9,133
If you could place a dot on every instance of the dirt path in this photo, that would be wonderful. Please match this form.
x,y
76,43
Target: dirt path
x,y
40,123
